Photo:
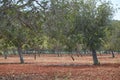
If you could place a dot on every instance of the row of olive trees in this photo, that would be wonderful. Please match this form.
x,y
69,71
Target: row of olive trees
x,y
112,38
54,24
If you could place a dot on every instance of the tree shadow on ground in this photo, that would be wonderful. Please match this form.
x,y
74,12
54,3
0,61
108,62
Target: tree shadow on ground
x,y
73,65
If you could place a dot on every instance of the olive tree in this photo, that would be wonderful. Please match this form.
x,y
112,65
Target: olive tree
x,y
91,21
14,17
112,37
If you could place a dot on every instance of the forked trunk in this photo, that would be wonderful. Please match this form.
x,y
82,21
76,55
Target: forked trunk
x,y
95,59
20,54
59,54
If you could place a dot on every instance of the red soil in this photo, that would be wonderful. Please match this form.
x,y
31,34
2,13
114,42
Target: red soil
x,y
50,67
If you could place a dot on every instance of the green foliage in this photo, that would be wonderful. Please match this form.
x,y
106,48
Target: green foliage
x,y
91,22
51,23
113,36
58,25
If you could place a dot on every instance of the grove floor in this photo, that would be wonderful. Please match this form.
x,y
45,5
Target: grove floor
x,y
51,67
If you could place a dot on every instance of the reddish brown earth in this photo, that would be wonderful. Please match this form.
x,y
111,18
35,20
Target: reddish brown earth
x,y
50,67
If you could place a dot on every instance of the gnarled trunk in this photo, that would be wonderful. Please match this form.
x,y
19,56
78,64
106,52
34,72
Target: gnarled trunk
x,y
95,59
20,54
113,55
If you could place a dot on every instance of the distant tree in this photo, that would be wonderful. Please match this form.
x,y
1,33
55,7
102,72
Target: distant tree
x,y
112,37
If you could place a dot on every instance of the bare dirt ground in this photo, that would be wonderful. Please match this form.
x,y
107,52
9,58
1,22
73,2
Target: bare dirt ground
x,y
51,67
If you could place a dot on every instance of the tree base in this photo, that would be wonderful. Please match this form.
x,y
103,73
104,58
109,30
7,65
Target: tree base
x,y
97,63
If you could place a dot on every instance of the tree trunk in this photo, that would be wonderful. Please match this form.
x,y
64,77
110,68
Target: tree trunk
x,y
113,54
5,54
72,57
95,59
20,54
39,54
35,54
